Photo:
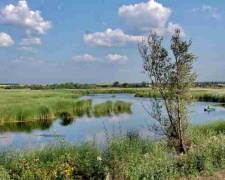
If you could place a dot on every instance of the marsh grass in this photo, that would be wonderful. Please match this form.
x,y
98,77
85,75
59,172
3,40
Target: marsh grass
x,y
122,107
126,156
109,107
103,109
208,95
217,127
20,106
30,105
24,106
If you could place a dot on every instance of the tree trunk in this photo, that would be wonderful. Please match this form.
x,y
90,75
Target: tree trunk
x,y
182,146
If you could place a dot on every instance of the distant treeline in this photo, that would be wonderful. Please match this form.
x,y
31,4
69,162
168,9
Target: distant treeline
x,y
210,84
72,85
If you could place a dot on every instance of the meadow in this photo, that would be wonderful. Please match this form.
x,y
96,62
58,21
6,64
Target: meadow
x,y
126,156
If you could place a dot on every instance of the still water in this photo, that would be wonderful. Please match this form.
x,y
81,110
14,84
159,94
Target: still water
x,y
89,128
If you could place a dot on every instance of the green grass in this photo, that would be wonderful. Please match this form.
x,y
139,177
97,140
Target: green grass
x,y
216,127
28,105
37,105
207,95
21,106
129,156
199,94
109,107
122,107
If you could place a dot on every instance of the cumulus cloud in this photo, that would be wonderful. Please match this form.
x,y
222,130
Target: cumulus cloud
x,y
145,16
151,15
117,58
142,18
5,40
85,58
110,38
30,41
169,30
23,16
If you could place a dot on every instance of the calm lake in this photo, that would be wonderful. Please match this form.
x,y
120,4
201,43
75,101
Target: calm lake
x,y
89,128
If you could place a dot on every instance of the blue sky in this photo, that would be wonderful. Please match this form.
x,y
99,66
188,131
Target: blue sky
x,y
95,41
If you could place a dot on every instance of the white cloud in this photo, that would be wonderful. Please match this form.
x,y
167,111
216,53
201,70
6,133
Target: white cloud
x,y
170,30
209,10
85,58
144,17
27,49
23,16
117,58
30,41
5,40
110,38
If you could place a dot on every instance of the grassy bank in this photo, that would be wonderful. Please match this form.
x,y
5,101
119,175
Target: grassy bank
x,y
129,156
198,94
24,106
20,106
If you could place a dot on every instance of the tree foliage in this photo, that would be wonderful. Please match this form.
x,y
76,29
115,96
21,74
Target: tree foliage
x,y
172,78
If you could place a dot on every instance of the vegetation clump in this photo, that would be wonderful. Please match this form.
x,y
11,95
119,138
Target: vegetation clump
x,y
109,107
24,106
122,107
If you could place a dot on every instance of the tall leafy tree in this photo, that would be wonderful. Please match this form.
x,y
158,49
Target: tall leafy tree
x,y
172,78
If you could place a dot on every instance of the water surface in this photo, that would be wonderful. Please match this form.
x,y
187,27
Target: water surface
x,y
89,128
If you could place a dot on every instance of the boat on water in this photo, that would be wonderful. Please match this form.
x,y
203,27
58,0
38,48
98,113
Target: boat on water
x,y
209,109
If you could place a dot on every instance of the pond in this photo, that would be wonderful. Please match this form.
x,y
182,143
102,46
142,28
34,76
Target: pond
x,y
88,128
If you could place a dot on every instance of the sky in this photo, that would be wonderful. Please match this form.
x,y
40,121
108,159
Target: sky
x,y
96,41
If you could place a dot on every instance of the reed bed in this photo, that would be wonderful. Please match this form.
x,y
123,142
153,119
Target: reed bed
x,y
122,107
43,110
21,106
109,107
25,106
